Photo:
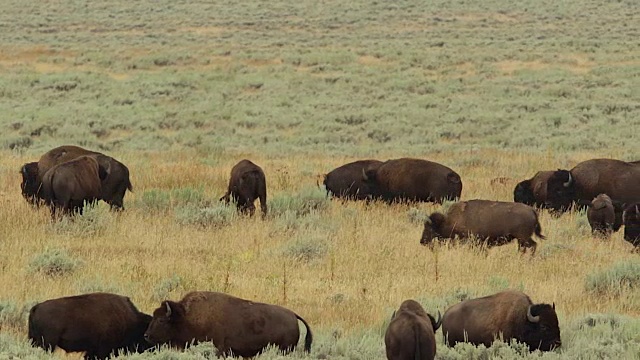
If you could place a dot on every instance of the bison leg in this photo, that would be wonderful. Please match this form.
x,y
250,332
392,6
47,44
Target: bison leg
x,y
523,245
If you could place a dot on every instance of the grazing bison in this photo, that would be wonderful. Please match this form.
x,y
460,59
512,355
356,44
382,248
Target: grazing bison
x,y
413,180
236,326
346,181
247,183
411,333
618,179
99,324
494,222
533,192
113,186
601,215
69,185
631,219
507,314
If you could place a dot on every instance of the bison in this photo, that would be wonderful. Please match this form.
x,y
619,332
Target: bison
x,y
631,219
494,222
618,179
346,181
411,333
413,180
508,314
68,186
99,324
533,191
601,215
247,183
113,186
237,327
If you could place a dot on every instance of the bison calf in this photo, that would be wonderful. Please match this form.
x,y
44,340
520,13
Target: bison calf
x,y
346,181
631,219
411,333
98,324
247,183
508,314
494,222
601,215
236,326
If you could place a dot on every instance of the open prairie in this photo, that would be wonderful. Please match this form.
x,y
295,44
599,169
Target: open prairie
x,y
180,91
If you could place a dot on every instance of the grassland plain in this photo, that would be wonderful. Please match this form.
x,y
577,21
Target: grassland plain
x,y
181,90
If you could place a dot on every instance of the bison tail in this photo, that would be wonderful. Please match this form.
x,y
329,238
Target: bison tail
x,y
308,339
129,185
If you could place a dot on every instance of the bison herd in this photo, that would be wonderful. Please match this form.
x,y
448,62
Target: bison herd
x,y
101,324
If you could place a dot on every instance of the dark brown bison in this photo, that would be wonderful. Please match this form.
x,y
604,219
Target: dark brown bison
x,y
30,188
247,183
631,219
237,327
601,215
618,179
508,314
99,324
494,222
68,186
413,180
346,181
533,192
113,186
411,333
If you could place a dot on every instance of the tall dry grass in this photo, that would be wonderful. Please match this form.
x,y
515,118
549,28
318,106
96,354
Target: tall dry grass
x,y
370,262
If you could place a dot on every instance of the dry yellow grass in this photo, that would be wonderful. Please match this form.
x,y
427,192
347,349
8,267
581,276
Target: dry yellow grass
x,y
374,260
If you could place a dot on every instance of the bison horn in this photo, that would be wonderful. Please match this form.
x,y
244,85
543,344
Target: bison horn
x,y
531,318
166,303
364,175
553,305
568,183
438,322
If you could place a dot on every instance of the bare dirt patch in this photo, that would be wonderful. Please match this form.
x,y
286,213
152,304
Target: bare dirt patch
x,y
575,63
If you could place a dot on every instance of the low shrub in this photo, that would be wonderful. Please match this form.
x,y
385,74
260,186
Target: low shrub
x,y
213,216
620,277
54,262
306,201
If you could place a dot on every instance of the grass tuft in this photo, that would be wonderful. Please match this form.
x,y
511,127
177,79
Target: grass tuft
x,y
54,262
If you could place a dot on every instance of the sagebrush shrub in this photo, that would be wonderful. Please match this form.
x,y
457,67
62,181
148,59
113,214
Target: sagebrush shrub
x,y
620,277
54,262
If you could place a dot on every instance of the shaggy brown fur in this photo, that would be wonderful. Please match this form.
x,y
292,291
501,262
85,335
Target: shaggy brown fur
x,y
411,333
509,314
97,323
346,181
494,222
618,179
533,191
601,215
235,326
246,184
68,186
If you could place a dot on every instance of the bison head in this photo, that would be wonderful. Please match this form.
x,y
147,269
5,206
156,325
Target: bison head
x,y
165,323
523,193
432,228
30,184
561,190
542,330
